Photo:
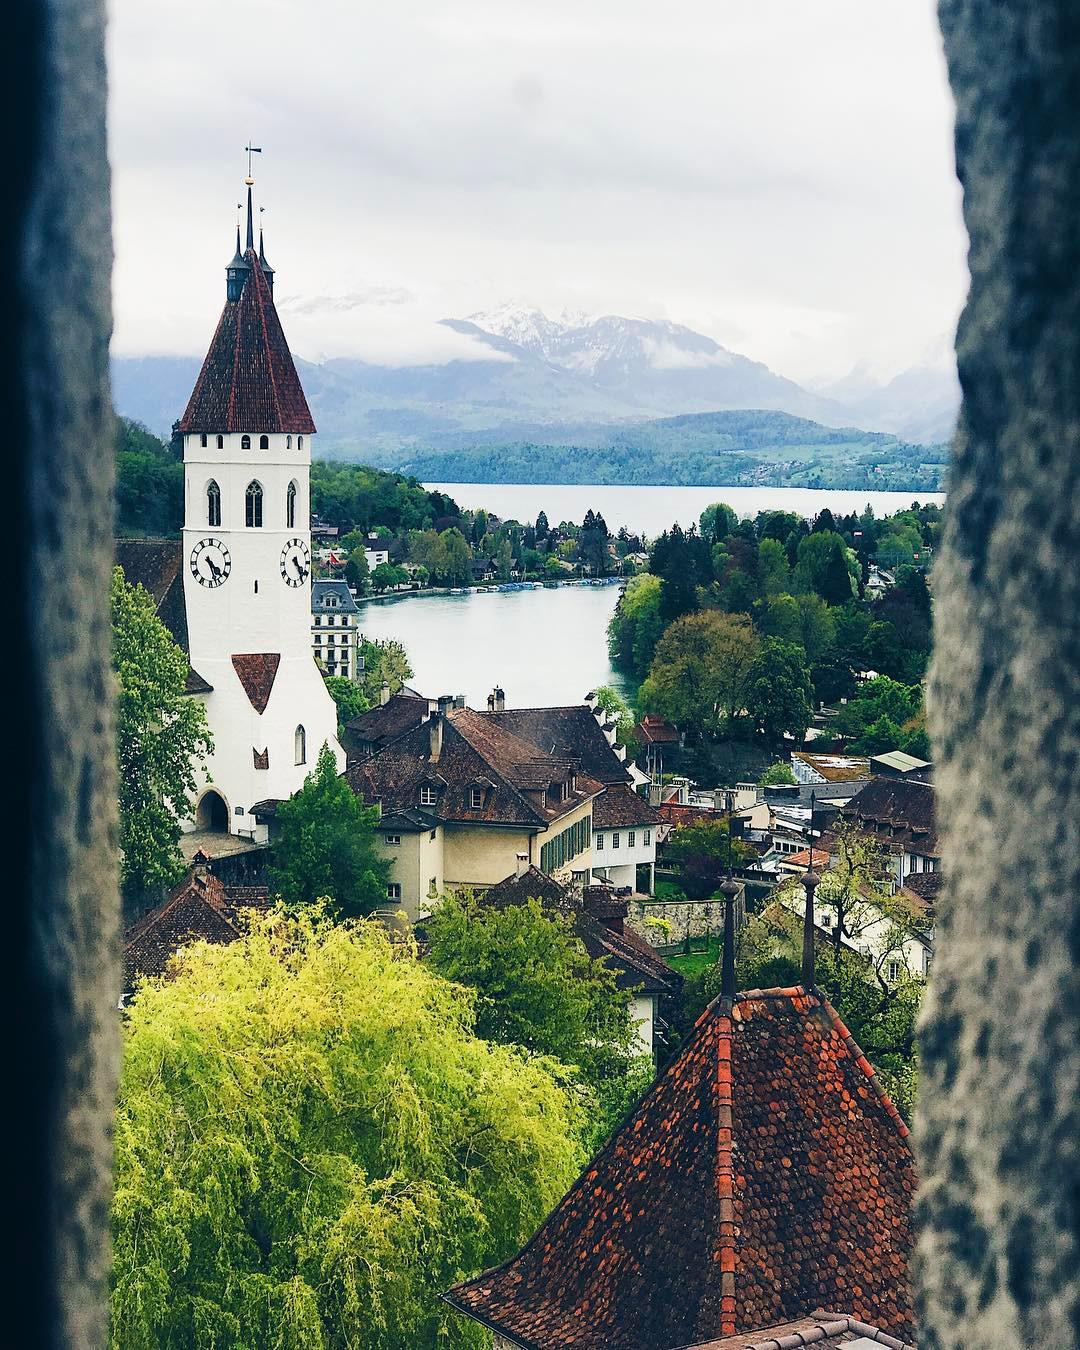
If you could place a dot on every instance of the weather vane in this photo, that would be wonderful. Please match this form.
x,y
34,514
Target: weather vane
x,y
251,150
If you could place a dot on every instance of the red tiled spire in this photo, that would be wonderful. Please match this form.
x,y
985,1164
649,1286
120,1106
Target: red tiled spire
x,y
765,1174
248,381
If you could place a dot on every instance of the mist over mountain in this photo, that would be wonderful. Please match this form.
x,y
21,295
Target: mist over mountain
x,y
551,381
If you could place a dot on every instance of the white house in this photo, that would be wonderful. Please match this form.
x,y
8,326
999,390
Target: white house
x,y
624,839
334,628
246,558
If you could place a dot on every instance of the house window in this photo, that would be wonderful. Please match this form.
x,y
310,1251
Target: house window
x,y
600,842
299,442
245,442
290,506
300,745
432,888
288,442
392,839
433,834
630,838
393,890
318,639
476,799
646,838
202,440
614,841
264,442
892,973
253,506
221,442
427,796
213,503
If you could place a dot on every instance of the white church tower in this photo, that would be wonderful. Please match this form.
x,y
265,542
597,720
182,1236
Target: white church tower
x,y
247,434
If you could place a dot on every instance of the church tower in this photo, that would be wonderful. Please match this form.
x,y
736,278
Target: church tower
x,y
247,433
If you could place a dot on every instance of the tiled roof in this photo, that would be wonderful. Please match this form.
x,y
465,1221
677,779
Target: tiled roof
x,y
656,731
621,805
898,811
475,752
532,884
825,1330
200,909
678,815
387,721
568,733
926,885
248,381
765,1173
257,672
158,565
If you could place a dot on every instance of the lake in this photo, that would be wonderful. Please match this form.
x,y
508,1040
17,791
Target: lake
x,y
545,648
549,647
654,509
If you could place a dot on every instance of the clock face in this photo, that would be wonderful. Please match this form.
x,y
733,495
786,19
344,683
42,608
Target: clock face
x,y
295,563
210,562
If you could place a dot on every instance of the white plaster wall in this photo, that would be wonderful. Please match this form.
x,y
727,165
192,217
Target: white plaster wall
x,y
643,1011
254,611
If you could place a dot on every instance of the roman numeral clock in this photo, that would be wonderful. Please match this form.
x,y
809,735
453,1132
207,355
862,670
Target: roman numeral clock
x,y
211,562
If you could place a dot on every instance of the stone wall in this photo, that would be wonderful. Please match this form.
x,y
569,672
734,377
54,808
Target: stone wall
x,y
998,1124
703,917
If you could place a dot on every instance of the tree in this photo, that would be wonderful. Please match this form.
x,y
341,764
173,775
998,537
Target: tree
x,y
635,627
539,989
325,847
162,738
357,569
683,562
716,522
348,696
776,775
773,571
700,669
457,557
387,575
778,690
823,565
312,1143
504,559
383,660
702,851
593,543
610,701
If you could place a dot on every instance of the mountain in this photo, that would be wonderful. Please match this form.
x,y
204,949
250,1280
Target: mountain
x,y
568,382
728,449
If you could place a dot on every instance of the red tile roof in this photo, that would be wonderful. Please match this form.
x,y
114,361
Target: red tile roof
x,y
257,672
765,1173
655,730
899,812
825,1330
248,381
571,733
200,909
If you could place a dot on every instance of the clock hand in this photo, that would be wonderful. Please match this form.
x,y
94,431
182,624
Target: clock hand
x,y
215,570
299,567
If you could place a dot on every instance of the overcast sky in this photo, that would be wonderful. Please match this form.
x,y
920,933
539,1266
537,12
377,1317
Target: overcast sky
x,y
775,173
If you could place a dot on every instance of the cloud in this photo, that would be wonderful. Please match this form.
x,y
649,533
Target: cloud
x,y
665,355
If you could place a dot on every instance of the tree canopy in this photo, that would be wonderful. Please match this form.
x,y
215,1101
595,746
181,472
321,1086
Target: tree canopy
x,y
325,845
700,671
312,1143
162,737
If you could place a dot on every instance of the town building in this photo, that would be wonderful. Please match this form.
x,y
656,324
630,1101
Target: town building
x,y
818,770
899,814
335,633
764,1177
899,764
236,591
461,797
624,840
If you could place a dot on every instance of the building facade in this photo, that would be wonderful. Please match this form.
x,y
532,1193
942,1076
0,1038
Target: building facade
x,y
335,631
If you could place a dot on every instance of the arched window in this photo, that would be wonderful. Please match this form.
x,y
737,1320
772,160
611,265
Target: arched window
x,y
202,440
221,442
264,442
288,442
290,507
245,442
253,506
300,745
299,442
213,503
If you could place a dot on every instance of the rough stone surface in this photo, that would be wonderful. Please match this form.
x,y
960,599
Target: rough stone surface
x,y
61,893
998,1128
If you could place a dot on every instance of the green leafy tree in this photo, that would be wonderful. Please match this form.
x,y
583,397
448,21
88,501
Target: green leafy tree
x,y
149,483
325,846
822,565
162,737
773,570
458,557
349,698
777,775
539,989
358,569
702,851
312,1143
385,659
778,690
699,673
636,625
504,559
717,522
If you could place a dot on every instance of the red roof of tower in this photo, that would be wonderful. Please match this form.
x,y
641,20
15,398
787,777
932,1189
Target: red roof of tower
x,y
764,1175
248,381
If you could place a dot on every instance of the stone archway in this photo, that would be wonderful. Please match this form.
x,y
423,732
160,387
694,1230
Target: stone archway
x,y
212,813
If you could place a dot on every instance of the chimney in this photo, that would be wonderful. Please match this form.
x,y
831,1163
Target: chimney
x,y
446,702
500,699
590,700
384,694
601,903
491,702
522,864
435,725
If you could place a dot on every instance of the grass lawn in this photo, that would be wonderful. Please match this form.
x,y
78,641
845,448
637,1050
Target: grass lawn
x,y
697,962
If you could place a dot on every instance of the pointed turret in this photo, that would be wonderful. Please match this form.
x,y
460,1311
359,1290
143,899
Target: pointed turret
x,y
268,271
237,272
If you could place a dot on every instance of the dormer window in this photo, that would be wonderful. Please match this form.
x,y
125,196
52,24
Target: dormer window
x,y
428,796
476,799
245,442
